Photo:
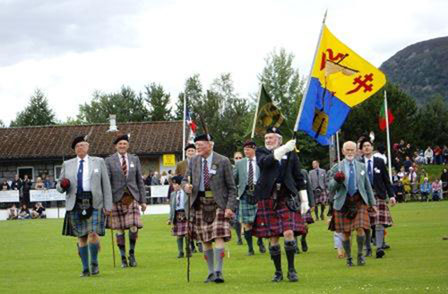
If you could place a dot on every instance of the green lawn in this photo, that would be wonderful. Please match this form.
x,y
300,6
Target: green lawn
x,y
35,258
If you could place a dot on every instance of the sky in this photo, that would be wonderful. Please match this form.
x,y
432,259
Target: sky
x,y
70,49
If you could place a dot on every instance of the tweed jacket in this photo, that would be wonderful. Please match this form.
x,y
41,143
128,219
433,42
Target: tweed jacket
x,y
240,173
222,183
340,190
133,181
318,181
99,183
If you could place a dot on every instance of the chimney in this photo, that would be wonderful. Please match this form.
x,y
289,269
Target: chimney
x,y
112,123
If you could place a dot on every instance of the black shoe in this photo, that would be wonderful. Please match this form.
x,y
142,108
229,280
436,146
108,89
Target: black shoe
x,y
219,278
132,261
95,269
180,255
211,278
349,262
278,276
292,276
386,246
304,245
124,262
368,252
361,260
380,253
250,253
240,242
84,274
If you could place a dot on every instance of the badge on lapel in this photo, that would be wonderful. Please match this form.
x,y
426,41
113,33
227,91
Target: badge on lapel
x,y
132,165
96,170
362,173
377,170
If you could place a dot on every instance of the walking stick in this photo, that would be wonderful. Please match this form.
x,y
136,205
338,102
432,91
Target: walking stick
x,y
188,234
112,237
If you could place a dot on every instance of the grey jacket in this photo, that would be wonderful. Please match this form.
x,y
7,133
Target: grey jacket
x,y
318,182
99,183
119,181
173,204
240,173
222,183
340,190
309,189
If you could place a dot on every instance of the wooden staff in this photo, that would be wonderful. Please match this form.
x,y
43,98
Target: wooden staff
x,y
188,233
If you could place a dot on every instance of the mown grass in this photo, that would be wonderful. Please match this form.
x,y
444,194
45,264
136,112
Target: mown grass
x,y
35,258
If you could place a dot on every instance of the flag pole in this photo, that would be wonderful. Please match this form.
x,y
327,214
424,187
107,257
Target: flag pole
x,y
311,71
337,147
184,126
386,112
256,112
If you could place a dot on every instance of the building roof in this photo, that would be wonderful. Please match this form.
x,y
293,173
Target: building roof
x,y
54,142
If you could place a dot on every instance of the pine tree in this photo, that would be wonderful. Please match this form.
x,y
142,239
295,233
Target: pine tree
x,y
37,113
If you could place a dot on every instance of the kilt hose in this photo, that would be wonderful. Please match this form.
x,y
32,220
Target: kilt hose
x,y
320,197
361,220
206,232
124,217
247,212
180,226
75,226
273,222
383,217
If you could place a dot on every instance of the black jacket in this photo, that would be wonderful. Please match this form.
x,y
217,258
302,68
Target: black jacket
x,y
270,171
381,182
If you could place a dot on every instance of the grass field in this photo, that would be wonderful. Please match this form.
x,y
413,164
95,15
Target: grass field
x,y
35,258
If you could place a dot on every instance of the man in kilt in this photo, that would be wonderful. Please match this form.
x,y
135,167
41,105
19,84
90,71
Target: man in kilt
x,y
85,181
318,178
307,217
353,197
209,179
382,188
128,192
246,174
280,178
178,215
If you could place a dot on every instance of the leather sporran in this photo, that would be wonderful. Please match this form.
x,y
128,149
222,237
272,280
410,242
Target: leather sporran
x,y
293,203
181,216
250,197
208,207
84,205
127,198
349,210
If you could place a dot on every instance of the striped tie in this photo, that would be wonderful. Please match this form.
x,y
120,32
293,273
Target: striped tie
x,y
206,176
250,180
124,166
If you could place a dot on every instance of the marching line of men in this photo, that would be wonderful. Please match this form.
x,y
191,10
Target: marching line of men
x,y
275,196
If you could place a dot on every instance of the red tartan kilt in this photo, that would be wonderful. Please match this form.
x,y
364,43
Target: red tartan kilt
x,y
208,232
273,223
124,217
344,224
383,217
308,218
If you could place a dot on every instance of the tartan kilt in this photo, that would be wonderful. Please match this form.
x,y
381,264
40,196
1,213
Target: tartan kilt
x,y
77,227
383,217
180,227
208,232
247,212
270,222
124,217
308,218
320,197
344,224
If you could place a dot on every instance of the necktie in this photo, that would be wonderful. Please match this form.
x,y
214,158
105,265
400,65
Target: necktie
x,y
178,199
250,180
369,171
124,166
318,178
351,180
80,172
206,176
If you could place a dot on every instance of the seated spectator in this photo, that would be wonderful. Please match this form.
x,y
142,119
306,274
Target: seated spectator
x,y
438,157
5,185
444,179
38,211
429,154
17,183
401,174
24,212
407,164
406,187
419,158
39,185
13,212
436,190
425,190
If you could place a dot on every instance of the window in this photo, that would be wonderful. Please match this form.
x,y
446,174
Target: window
x,y
26,170
57,172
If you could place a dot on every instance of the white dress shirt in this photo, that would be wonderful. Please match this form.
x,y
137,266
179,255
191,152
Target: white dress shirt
x,y
85,174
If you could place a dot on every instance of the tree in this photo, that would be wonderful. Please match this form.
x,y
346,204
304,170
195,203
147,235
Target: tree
x,y
432,123
37,113
2,124
126,105
158,102
192,92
